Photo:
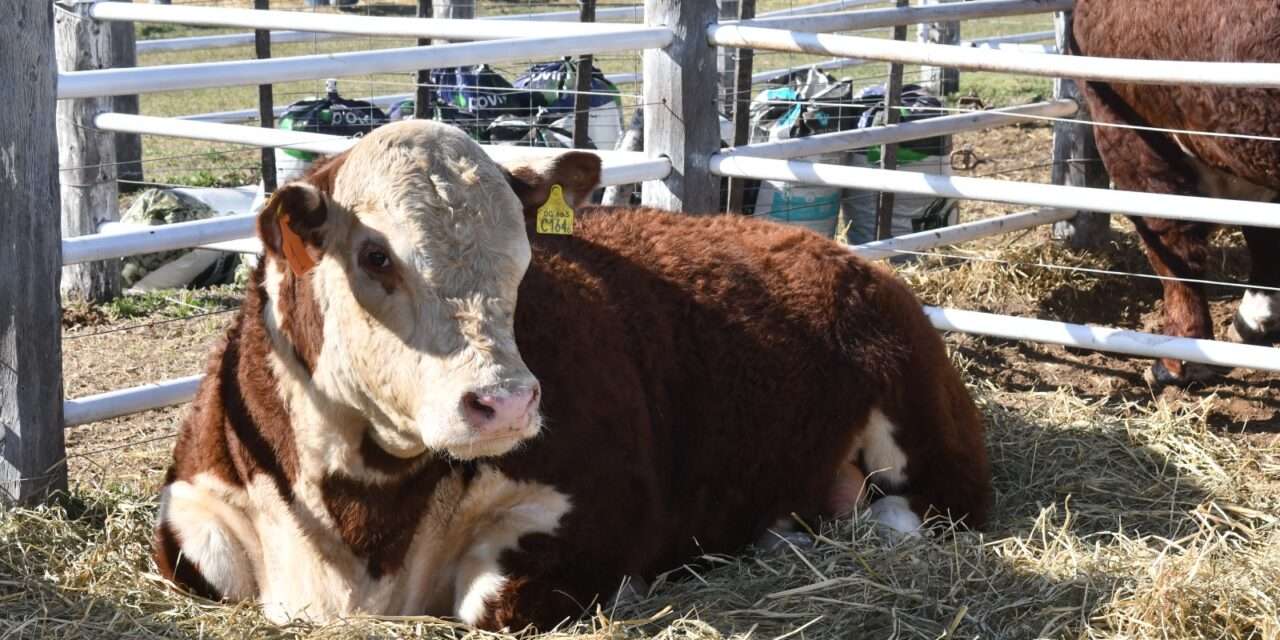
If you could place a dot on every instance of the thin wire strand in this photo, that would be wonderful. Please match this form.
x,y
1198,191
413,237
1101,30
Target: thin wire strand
x,y
154,323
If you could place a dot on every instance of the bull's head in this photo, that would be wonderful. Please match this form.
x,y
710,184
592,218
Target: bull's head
x,y
408,250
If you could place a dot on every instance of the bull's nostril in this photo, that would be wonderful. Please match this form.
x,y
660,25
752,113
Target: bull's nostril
x,y
473,403
536,395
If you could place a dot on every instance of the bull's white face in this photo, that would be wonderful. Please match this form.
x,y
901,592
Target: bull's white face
x,y
421,250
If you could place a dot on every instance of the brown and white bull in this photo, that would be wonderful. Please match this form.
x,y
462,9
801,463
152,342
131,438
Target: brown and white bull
x,y
386,431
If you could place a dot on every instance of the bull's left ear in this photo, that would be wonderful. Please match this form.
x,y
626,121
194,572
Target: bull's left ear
x,y
291,225
577,173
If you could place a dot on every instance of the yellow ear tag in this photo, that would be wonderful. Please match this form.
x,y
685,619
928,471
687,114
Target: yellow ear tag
x,y
555,216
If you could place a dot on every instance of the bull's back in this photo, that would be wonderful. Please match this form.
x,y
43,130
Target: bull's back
x,y
1205,30
727,362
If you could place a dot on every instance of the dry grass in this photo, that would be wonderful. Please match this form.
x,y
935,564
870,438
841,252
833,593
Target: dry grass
x,y
1113,521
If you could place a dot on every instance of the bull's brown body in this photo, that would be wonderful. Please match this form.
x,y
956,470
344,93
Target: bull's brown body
x,y
702,377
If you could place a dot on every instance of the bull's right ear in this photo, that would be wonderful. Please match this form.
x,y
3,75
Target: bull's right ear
x,y
577,173
291,225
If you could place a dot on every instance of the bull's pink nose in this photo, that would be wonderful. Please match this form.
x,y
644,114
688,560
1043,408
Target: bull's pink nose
x,y
497,410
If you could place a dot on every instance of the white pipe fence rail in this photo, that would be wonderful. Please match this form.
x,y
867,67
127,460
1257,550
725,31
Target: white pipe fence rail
x,y
122,402
1158,205
928,128
118,82
956,234
193,43
354,25
620,167
876,18
603,14
1261,75
1134,343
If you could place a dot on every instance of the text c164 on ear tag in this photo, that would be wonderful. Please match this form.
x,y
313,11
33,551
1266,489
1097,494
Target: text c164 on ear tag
x,y
555,216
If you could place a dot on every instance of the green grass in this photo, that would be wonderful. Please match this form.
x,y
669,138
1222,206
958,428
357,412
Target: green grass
x,y
176,303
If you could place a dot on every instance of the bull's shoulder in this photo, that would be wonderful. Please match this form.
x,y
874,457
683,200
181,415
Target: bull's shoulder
x,y
238,426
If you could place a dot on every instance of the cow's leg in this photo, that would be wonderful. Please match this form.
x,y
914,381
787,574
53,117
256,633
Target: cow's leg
x,y
543,585
199,544
1178,251
784,532
1150,161
876,470
1257,320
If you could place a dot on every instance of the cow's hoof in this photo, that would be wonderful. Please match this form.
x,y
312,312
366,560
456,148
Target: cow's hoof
x,y
631,590
894,514
772,540
1242,333
1193,373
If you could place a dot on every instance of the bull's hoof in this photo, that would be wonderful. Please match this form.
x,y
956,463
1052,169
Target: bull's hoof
x,y
1193,373
772,540
1241,332
632,590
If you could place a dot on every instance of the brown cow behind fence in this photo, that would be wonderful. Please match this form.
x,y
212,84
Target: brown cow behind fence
x,y
1187,164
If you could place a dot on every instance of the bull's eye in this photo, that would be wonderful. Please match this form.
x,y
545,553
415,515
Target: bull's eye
x,y
375,259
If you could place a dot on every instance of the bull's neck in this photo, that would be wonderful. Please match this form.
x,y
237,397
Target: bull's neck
x,y
332,438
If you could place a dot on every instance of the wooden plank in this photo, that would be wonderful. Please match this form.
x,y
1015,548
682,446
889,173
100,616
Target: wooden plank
x,y
742,107
32,454
1075,159
582,101
424,98
889,152
266,101
726,59
680,120
124,53
87,156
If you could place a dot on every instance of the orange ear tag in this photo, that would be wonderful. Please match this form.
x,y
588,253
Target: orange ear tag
x,y
555,216
295,252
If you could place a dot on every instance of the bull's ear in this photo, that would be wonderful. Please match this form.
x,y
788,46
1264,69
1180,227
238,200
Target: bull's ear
x,y
577,173
291,225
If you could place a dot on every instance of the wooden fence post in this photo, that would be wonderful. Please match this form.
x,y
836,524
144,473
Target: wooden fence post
x,y
87,156
423,97
680,120
124,53
940,81
266,102
32,454
457,9
1075,158
889,152
726,60
742,109
582,101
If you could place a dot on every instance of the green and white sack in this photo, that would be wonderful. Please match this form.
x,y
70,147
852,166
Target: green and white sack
x,y
911,213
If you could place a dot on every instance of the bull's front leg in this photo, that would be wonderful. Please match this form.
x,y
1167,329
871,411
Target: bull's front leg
x,y
203,544
1178,251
